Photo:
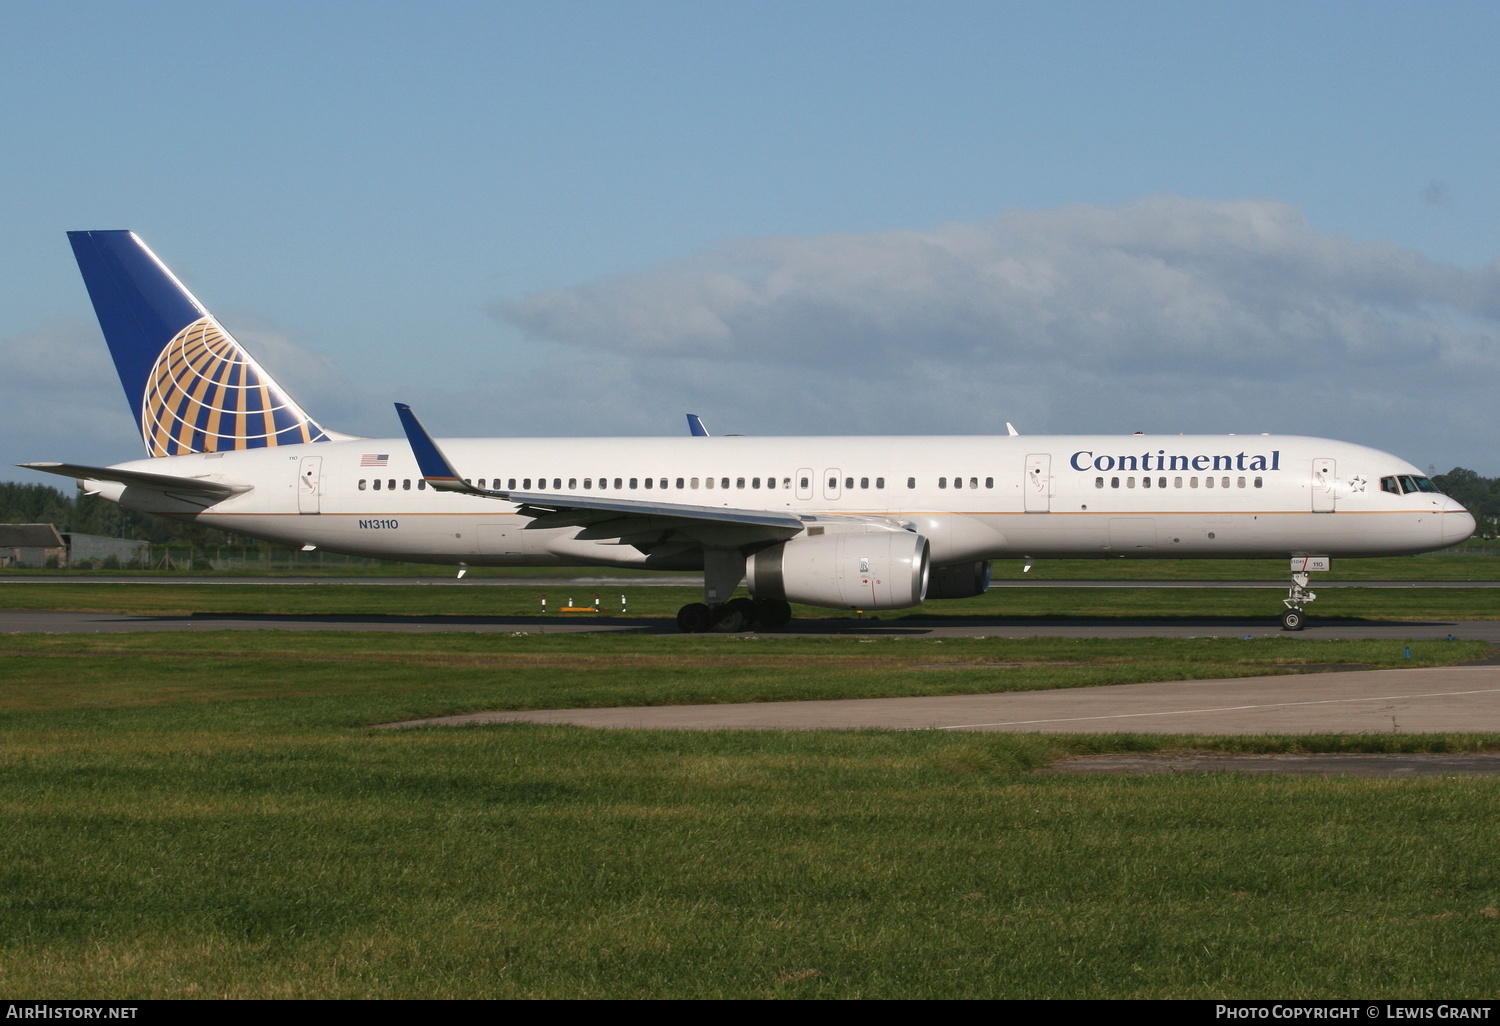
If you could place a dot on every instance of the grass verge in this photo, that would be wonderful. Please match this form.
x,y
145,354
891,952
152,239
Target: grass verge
x,y
208,816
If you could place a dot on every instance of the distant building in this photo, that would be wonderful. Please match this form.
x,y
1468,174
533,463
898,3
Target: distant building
x,y
31,545
97,546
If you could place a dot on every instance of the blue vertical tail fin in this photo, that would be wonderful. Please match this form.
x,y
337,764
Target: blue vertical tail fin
x,y
191,386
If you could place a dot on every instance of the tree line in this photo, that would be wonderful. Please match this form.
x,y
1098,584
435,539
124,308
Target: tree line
x,y
1480,496
89,514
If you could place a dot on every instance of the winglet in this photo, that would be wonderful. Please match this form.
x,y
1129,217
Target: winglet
x,y
430,459
695,426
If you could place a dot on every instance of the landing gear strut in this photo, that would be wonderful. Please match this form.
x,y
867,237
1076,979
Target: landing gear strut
x,y
1297,596
723,570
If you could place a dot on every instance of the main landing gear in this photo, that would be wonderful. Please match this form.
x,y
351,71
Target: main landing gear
x,y
1297,596
735,615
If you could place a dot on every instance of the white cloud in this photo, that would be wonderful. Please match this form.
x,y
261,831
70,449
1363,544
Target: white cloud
x,y
1167,314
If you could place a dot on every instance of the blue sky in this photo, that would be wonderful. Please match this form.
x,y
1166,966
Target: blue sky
x,y
587,218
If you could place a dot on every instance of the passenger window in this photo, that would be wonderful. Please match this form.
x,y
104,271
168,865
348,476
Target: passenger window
x,y
406,485
755,482
1176,482
973,482
723,482
1208,482
695,482
588,483
1130,482
421,484
377,484
679,482
708,482
770,482
1241,482
848,482
510,484
634,483
572,484
1161,482
880,482
391,484
526,484
361,484
1192,482
557,484
1225,482
958,482
1258,482
942,482
1114,482
833,483
1098,482
481,483
911,482
1145,482
739,482
989,482
649,482
864,482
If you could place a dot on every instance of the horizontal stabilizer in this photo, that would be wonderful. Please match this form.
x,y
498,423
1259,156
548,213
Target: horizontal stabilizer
x,y
139,479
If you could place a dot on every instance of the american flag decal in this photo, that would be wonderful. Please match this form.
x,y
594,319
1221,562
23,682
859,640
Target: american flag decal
x,y
371,459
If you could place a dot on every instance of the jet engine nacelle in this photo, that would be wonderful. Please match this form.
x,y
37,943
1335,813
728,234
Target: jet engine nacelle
x,y
846,570
962,581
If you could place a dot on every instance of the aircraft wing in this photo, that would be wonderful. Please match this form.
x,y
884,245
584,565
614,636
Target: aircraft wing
x,y
554,510
195,486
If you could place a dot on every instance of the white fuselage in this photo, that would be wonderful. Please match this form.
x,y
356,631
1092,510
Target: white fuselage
x,y
1054,496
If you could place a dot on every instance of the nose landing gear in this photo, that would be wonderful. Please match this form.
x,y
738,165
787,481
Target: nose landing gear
x,y
1297,596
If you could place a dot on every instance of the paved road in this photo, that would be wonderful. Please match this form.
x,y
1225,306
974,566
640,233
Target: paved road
x,y
604,584
68,622
1465,698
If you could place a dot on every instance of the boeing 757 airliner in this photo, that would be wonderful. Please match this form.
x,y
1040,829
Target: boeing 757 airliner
x,y
840,522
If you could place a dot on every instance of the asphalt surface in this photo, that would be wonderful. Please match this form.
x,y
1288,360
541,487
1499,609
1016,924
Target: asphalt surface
x,y
1440,699
1453,699
604,584
13,621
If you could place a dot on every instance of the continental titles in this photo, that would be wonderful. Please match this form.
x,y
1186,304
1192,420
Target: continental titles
x,y
1085,459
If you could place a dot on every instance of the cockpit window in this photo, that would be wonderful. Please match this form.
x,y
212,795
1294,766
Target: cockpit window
x,y
1408,483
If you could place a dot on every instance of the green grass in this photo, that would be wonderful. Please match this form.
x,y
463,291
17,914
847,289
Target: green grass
x,y
207,815
172,861
349,679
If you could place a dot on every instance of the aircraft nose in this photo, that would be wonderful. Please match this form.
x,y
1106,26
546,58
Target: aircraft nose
x,y
1458,524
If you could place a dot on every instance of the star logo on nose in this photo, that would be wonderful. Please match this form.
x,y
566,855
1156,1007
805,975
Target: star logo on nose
x,y
1356,484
